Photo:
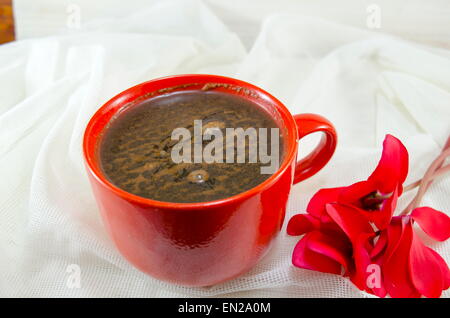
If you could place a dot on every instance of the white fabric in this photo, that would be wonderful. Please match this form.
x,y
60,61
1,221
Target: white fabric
x,y
367,84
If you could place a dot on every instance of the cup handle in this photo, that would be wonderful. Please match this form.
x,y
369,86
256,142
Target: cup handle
x,y
318,158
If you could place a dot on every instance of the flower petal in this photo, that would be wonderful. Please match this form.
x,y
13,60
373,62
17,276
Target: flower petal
x,y
382,218
394,233
397,279
392,168
353,193
444,269
305,258
435,223
425,270
349,220
316,205
362,259
380,245
336,249
300,224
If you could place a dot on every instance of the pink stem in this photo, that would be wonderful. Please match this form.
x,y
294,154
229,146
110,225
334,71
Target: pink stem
x,y
436,174
430,174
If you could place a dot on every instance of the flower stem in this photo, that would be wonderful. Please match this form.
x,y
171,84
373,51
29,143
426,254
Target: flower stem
x,y
432,172
437,173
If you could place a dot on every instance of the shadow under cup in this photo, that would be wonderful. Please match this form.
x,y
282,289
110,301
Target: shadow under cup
x,y
203,243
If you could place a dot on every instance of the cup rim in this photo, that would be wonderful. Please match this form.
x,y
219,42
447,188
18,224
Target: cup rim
x,y
90,142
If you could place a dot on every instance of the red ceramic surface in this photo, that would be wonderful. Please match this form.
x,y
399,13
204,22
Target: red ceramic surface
x,y
201,244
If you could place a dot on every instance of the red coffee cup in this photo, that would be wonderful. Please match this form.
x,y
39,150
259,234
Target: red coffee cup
x,y
205,243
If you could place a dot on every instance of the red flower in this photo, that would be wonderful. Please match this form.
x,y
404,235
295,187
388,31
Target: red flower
x,y
339,243
350,231
410,268
375,197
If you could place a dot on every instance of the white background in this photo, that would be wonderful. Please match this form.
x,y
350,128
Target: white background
x,y
315,56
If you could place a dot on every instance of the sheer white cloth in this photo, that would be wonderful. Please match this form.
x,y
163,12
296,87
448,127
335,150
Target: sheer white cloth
x,y
367,84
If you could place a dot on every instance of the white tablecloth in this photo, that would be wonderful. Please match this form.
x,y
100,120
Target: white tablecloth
x,y
72,56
